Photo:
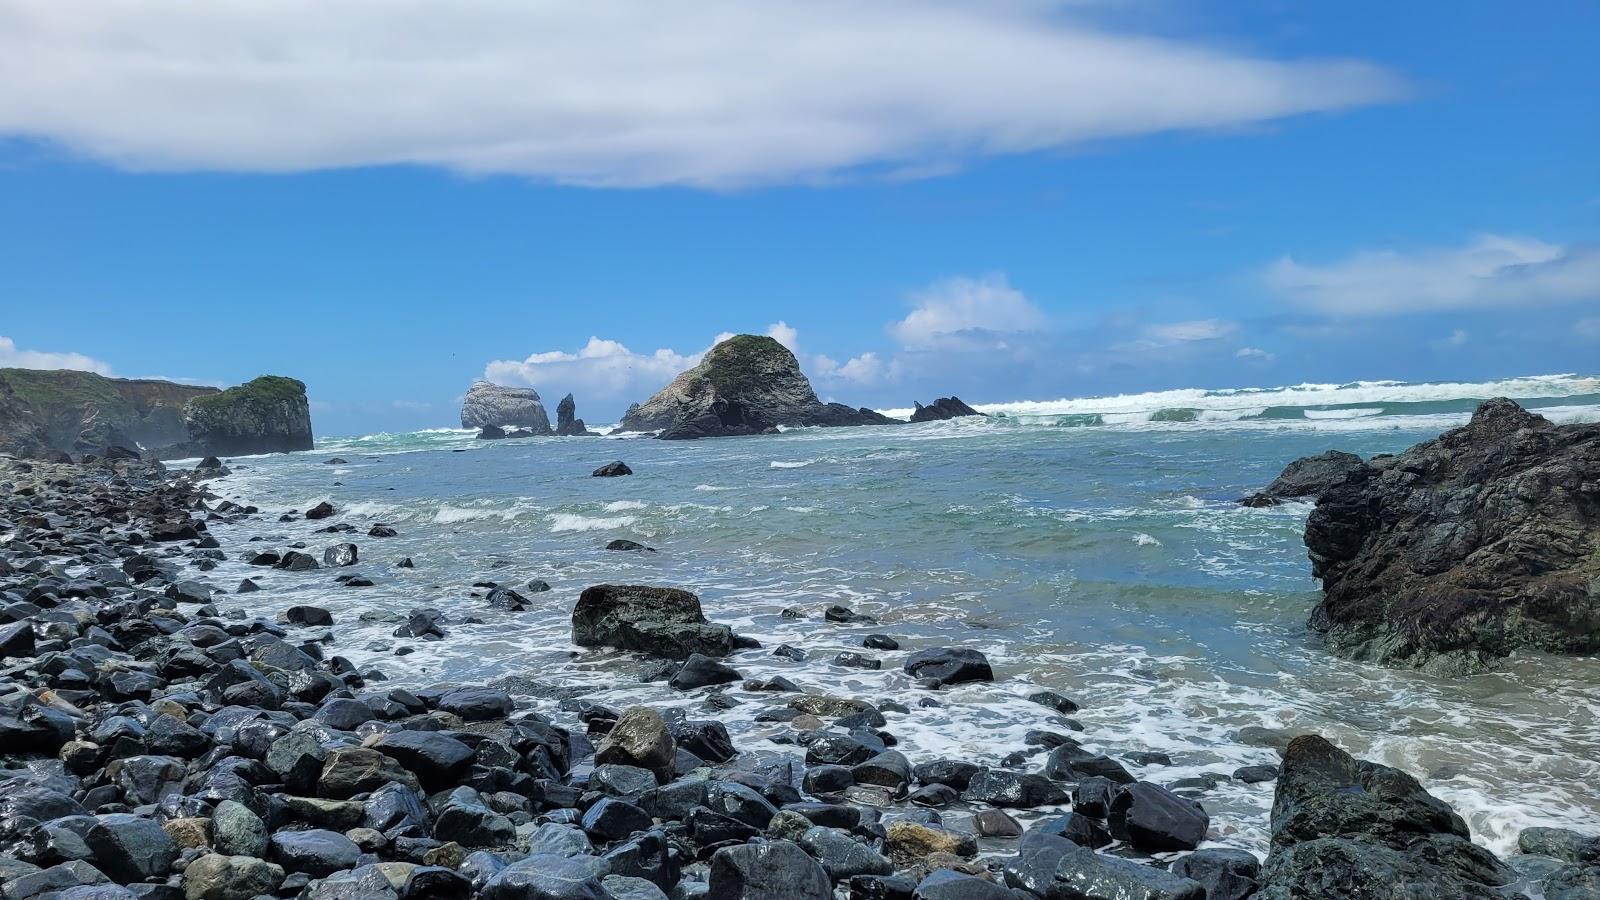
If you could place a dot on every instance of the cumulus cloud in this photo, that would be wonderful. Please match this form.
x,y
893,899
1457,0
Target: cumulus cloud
x,y
867,369
965,311
1490,272
1169,334
717,93
15,358
1254,354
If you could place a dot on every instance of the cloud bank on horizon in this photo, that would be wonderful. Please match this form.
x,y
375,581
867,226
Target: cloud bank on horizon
x,y
624,93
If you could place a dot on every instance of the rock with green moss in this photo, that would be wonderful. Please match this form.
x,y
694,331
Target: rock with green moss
x,y
267,415
748,384
74,412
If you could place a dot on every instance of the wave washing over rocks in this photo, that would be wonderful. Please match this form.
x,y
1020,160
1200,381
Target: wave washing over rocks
x,y
180,739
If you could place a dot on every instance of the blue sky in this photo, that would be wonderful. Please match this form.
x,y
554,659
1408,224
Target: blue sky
x,y
1015,200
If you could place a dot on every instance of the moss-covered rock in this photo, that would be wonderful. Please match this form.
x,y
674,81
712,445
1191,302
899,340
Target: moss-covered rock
x,y
267,415
746,384
81,412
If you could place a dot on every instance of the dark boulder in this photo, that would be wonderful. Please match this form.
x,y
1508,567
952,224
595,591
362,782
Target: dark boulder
x,y
1464,548
663,622
316,852
724,418
1225,874
1002,787
613,470
340,555
320,511
1154,819
950,665
702,671
1306,477
567,422
546,876
947,884
941,409
1348,828
1082,874
776,870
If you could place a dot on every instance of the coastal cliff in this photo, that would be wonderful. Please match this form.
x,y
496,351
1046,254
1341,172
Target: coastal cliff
x,y
1464,548
492,405
748,384
81,412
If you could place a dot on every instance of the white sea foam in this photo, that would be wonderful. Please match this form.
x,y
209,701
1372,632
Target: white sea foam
x,y
625,505
1356,413
1145,540
560,522
790,464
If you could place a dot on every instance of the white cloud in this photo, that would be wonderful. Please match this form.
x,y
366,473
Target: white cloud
x,y
867,369
14,358
411,405
601,368
1255,354
1489,272
964,311
781,332
717,93
1189,332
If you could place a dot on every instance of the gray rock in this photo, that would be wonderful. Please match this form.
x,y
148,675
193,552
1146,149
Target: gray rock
x,y
1225,874
237,831
941,409
216,876
663,622
1308,477
1560,843
1154,819
130,848
492,405
545,876
316,852
950,665
841,855
641,739
947,884
1082,874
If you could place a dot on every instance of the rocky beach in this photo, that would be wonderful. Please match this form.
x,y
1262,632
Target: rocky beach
x,y
211,692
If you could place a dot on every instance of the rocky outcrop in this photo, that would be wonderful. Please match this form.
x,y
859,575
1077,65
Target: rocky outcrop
x,y
941,409
1307,476
504,407
80,412
659,621
1465,548
267,415
760,387
1348,828
567,422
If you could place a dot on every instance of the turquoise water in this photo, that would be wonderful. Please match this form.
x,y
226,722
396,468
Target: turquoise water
x,y
1106,560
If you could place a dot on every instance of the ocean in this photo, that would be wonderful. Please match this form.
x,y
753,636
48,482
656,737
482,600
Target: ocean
x,y
1092,547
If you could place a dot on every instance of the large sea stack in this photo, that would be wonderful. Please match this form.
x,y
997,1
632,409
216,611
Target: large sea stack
x,y
69,412
942,409
1465,548
489,404
748,384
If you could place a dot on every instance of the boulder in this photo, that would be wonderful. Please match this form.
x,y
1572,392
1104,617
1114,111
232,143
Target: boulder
x,y
545,876
1082,874
1307,477
613,469
1343,827
1154,819
437,759
1225,874
344,554
216,876
744,385
316,851
941,409
664,622
776,870
950,665
489,404
640,738
1465,548
702,671
130,848
948,884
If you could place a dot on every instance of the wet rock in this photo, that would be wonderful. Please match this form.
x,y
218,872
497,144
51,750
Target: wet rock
x,y
640,738
999,787
320,511
625,887
1255,774
462,816
316,852
1069,762
955,773
1082,874
295,561
626,545
1307,477
888,769
1366,828
1225,874
437,759
844,615
507,599
545,876
349,771
1033,869
663,622
702,671
1154,819
841,855
852,660
130,848
476,704
1464,548
1077,828
237,831
1573,882
910,842
995,823
947,884
340,555
612,819
217,876
777,870
941,409
950,665
1560,843
613,469
707,740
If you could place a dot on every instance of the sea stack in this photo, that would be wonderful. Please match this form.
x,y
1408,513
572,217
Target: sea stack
x,y
567,422
941,409
748,384
504,407
1455,553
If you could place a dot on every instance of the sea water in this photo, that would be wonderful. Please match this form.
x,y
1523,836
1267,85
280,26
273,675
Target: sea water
x,y
1092,547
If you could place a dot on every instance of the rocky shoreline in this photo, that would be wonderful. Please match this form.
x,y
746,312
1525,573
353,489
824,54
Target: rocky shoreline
x,y
158,736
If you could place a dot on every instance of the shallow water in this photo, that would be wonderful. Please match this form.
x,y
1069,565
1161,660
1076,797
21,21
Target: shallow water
x,y
1108,563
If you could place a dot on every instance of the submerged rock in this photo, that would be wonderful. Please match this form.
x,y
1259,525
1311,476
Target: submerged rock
x,y
664,622
942,408
760,386
1465,548
1348,828
491,404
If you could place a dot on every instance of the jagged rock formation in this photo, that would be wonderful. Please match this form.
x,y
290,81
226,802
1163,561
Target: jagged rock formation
x,y
502,407
1348,828
761,385
567,422
267,415
1464,548
81,412
1307,476
941,409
